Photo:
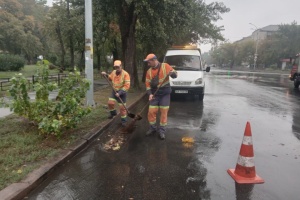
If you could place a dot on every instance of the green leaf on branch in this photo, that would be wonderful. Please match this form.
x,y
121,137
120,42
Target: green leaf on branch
x,y
51,116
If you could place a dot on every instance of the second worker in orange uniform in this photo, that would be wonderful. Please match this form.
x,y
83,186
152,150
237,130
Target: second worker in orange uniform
x,y
121,83
157,81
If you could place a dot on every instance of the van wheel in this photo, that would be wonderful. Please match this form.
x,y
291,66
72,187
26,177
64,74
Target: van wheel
x,y
201,97
296,82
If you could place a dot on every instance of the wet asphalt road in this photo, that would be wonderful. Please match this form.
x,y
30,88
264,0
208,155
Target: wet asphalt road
x,y
147,168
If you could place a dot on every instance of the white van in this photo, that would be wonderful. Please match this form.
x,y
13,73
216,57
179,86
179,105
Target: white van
x,y
187,61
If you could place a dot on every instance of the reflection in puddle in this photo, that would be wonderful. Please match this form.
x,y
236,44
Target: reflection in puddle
x,y
243,191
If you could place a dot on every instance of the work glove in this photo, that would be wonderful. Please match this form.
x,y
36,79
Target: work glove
x,y
151,97
173,74
104,74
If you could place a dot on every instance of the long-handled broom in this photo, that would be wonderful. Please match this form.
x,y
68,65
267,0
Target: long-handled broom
x,y
131,115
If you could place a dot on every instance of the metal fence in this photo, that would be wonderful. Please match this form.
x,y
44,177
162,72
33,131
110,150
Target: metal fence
x,y
5,83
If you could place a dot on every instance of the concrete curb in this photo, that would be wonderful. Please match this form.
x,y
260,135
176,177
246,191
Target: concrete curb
x,y
19,190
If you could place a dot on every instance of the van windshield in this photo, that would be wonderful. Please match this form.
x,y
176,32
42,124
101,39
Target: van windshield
x,y
184,62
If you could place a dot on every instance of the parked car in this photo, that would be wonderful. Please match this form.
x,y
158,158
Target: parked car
x,y
295,71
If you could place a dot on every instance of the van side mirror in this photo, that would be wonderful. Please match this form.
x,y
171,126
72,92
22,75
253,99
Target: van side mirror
x,y
207,69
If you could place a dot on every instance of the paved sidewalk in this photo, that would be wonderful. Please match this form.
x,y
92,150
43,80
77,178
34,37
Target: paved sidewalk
x,y
5,112
19,190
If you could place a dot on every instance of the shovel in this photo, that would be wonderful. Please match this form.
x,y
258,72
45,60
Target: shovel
x,y
131,115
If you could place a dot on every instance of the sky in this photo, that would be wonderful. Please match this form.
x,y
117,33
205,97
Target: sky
x,y
261,13
49,2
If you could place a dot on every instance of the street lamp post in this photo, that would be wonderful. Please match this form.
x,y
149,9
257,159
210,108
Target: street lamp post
x,y
255,55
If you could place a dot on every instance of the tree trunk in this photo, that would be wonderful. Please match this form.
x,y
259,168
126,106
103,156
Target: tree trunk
x,y
129,58
82,61
98,54
145,69
127,25
71,39
61,43
115,50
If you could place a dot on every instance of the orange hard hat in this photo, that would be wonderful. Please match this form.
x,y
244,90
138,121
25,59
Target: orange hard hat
x,y
117,63
149,57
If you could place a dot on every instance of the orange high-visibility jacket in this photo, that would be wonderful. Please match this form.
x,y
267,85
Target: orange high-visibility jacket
x,y
165,68
120,82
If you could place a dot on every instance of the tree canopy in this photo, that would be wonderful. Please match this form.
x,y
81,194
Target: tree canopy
x,y
21,27
155,25
126,29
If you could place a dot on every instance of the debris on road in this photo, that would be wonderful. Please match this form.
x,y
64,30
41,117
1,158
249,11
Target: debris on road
x,y
188,140
114,143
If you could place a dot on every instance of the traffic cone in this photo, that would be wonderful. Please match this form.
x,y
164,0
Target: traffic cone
x,y
244,171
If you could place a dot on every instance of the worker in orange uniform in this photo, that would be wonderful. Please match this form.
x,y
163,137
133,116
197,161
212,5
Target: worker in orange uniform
x,y
121,82
158,76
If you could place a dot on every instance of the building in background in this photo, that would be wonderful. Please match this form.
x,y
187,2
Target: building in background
x,y
260,34
265,32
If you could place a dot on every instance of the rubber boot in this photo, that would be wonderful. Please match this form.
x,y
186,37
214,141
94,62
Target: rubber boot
x,y
161,133
151,131
112,114
124,121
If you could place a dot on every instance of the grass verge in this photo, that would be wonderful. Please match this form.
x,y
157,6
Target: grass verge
x,y
22,149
